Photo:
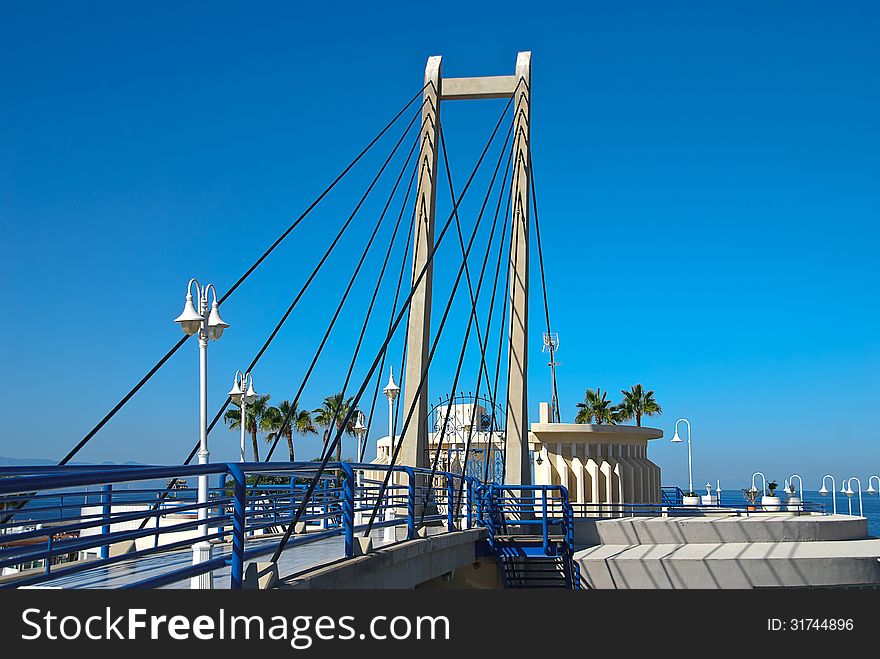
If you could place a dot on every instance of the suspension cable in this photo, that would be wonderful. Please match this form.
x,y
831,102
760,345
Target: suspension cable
x,y
435,343
344,297
544,285
430,257
310,279
88,436
472,317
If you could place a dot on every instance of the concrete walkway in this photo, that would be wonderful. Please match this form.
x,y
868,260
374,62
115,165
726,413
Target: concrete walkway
x,y
292,561
732,564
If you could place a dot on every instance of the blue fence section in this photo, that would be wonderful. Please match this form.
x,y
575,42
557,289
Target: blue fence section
x,y
60,521
530,521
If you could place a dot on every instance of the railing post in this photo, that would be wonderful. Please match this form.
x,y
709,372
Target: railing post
x,y
105,513
468,486
348,485
410,504
545,535
221,509
450,496
49,554
239,500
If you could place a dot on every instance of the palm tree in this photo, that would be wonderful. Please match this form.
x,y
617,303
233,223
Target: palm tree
x,y
254,421
299,421
332,412
638,403
597,408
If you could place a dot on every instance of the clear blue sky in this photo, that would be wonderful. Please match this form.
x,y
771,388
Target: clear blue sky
x,y
707,175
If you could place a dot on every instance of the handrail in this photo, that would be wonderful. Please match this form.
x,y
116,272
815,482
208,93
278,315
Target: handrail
x,y
61,523
500,507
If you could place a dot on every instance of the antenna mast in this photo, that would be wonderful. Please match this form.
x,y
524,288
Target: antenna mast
x,y
551,345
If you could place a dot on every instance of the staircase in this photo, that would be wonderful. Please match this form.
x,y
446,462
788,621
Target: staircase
x,y
510,514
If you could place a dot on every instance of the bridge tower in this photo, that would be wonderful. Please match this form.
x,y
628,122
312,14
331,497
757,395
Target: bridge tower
x,y
438,89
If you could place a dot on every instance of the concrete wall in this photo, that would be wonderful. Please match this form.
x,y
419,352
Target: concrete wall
x,y
403,566
782,550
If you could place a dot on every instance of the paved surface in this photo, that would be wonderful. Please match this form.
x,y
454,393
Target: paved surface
x,y
293,560
735,550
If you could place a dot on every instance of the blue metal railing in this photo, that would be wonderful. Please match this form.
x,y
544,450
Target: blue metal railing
x,y
514,511
53,520
671,496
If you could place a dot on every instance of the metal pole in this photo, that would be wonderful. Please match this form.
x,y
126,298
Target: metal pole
x,y
690,461
202,549
105,513
239,494
242,423
348,509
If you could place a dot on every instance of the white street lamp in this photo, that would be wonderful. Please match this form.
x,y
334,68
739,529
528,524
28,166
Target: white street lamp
x,y
207,323
795,502
243,394
391,391
824,491
675,440
360,430
850,493
871,489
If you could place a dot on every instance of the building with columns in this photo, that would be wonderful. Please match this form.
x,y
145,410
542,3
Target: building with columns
x,y
599,465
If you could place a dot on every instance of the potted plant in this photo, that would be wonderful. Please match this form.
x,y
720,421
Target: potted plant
x,y
751,495
690,499
770,501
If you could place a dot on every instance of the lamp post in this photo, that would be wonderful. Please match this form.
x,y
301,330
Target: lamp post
x,y
871,489
799,502
391,391
850,493
675,440
207,323
360,430
243,394
843,489
763,485
824,491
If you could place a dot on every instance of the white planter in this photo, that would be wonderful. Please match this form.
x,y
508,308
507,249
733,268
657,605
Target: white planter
x,y
709,499
794,503
690,501
771,503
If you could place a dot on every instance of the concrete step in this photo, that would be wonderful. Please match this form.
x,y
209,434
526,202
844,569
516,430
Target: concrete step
x,y
731,565
762,527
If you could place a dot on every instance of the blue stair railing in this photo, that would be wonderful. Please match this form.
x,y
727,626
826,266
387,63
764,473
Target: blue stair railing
x,y
512,514
671,496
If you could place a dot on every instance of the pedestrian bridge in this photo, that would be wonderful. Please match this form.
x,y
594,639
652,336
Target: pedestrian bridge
x,y
285,525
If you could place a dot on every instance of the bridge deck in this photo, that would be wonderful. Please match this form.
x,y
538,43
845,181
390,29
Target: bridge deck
x,y
292,561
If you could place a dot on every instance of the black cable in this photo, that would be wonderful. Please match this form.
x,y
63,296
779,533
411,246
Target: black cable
x,y
511,295
417,280
479,379
76,449
467,273
299,295
344,297
543,279
308,283
472,316
424,373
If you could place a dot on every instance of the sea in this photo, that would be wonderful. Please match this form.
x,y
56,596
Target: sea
x,y
870,505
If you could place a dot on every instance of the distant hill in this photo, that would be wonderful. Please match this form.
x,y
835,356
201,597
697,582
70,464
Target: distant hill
x,y
41,462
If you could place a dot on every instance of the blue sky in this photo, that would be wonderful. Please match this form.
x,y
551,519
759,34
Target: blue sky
x,y
707,177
